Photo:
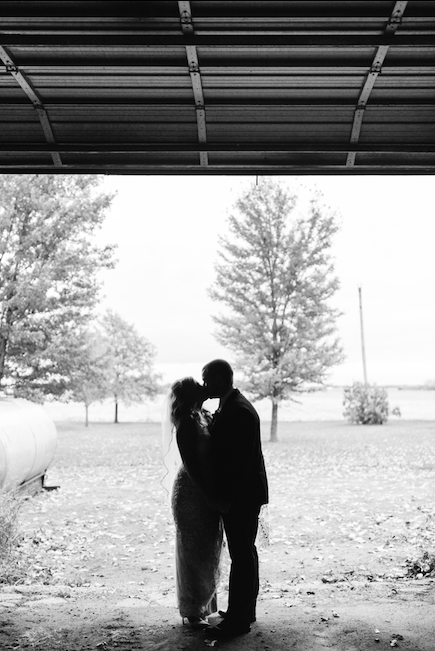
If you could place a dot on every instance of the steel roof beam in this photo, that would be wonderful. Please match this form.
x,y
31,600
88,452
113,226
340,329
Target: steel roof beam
x,y
249,102
27,87
375,70
253,68
195,77
103,39
170,147
234,60
261,168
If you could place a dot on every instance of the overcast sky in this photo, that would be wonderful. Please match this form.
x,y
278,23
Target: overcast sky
x,y
166,229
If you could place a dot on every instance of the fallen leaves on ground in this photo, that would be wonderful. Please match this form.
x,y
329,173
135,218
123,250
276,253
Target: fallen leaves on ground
x,y
348,504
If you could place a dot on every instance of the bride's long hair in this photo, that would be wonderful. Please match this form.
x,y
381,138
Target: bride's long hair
x,y
182,401
184,398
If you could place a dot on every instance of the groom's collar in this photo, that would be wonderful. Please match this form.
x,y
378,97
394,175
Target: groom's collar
x,y
224,398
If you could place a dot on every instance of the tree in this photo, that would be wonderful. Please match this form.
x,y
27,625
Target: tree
x,y
49,268
86,372
275,278
131,376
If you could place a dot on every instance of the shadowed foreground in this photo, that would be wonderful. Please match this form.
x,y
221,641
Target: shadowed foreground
x,y
351,517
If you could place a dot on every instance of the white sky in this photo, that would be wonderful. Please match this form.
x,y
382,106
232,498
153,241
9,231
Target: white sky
x,y
166,229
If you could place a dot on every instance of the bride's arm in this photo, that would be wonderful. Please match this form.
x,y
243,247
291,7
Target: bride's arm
x,y
186,440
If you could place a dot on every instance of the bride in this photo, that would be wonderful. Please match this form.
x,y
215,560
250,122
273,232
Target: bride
x,y
195,509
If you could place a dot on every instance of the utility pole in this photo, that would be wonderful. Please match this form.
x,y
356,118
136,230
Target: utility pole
x,y
362,337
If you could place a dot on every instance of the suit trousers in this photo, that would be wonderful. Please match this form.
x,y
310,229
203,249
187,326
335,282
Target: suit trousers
x,y
241,525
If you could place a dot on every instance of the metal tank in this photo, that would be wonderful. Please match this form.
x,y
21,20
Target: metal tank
x,y
28,440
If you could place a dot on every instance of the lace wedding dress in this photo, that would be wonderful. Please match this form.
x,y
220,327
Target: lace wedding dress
x,y
199,535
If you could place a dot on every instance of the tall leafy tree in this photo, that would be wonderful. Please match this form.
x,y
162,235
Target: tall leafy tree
x,y
49,264
274,279
86,372
131,374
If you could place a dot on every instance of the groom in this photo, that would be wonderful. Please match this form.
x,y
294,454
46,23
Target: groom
x,y
241,482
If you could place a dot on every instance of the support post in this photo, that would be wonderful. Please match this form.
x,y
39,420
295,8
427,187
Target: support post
x,y
363,348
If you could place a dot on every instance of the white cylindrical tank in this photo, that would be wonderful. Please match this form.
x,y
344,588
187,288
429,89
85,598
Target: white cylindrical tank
x,y
28,440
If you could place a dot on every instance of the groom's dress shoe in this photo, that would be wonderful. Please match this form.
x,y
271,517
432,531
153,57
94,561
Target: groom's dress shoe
x,y
228,629
223,614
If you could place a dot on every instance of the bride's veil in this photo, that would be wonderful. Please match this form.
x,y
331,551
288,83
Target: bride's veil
x,y
171,454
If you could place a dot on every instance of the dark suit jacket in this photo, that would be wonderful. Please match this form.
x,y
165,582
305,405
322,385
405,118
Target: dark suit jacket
x,y
237,459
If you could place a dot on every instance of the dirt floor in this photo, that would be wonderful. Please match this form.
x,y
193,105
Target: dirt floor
x,y
351,513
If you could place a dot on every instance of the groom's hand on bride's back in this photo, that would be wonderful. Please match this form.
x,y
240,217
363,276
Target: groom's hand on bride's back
x,y
218,505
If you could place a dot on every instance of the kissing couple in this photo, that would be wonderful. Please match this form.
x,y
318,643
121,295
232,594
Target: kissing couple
x,y
217,478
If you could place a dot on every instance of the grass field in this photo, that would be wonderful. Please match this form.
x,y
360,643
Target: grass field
x,y
317,406
343,498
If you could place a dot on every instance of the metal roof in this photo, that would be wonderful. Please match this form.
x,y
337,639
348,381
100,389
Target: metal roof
x,y
210,87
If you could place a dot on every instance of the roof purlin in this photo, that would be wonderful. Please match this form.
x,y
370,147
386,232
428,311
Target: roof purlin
x,y
375,70
195,77
36,101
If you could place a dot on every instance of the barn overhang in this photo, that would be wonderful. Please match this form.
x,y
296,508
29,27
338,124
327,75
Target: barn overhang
x,y
214,87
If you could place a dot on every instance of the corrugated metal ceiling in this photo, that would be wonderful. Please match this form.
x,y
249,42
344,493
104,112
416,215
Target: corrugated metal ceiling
x,y
218,87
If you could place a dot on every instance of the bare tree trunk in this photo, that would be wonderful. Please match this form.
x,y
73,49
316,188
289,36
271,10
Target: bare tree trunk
x,y
4,340
116,411
2,356
274,423
87,415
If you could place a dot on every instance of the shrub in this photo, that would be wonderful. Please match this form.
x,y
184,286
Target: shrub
x,y
10,504
365,404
